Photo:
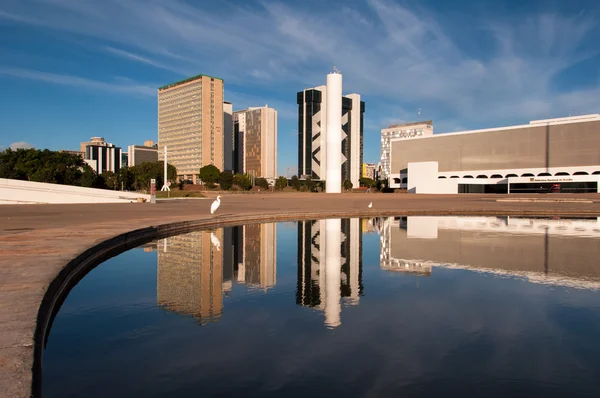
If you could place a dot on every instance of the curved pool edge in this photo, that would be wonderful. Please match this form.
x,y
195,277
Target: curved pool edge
x,y
74,270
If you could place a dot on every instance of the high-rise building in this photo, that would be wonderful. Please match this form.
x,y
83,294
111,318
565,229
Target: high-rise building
x,y
190,124
102,156
255,141
368,170
228,140
138,154
312,135
399,131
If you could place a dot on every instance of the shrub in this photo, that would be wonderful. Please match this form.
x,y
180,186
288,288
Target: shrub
x,y
262,183
209,174
242,181
281,183
226,180
347,184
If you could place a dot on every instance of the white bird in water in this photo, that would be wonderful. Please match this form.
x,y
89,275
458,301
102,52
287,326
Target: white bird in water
x,y
370,205
215,241
215,205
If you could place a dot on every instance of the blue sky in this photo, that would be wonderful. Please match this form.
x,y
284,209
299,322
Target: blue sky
x,y
72,69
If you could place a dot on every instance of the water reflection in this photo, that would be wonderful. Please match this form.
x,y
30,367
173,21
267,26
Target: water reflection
x,y
549,251
393,306
193,272
196,270
329,266
189,277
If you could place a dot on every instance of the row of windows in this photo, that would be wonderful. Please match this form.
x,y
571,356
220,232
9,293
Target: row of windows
x,y
179,114
180,121
177,105
180,133
560,173
189,122
180,92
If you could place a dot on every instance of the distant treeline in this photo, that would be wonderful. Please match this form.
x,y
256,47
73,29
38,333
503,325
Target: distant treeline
x,y
69,169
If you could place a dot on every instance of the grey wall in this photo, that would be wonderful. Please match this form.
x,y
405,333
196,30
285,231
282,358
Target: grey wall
x,y
576,144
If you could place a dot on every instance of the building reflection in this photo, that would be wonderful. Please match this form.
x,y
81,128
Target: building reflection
x,y
539,250
251,257
329,266
190,275
195,270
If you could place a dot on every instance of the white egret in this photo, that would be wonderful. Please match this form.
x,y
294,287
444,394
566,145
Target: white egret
x,y
215,205
370,205
215,241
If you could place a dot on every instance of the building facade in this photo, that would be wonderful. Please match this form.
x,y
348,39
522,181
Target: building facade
x,y
400,131
190,124
102,156
138,154
561,154
312,135
228,138
255,142
368,170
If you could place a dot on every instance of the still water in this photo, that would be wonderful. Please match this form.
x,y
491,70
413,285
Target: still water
x,y
413,307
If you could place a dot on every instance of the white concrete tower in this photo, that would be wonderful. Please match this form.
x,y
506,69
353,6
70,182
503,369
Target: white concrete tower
x,y
333,177
333,271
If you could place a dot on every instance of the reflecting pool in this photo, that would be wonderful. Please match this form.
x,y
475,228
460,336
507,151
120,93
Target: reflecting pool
x,y
398,306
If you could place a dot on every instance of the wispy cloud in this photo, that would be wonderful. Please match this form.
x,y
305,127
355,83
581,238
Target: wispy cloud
x,y
20,145
80,82
392,54
139,58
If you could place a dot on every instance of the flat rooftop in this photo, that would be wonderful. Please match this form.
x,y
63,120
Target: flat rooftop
x,y
534,123
189,79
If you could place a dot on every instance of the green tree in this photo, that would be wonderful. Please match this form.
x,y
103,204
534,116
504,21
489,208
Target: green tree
x,y
347,184
47,166
226,180
91,179
209,174
111,179
262,183
126,178
366,182
381,185
281,183
242,181
295,183
143,173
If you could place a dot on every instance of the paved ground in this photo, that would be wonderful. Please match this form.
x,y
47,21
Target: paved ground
x,y
37,241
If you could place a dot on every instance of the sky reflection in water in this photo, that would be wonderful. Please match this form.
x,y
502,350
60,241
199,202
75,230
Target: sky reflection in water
x,y
417,306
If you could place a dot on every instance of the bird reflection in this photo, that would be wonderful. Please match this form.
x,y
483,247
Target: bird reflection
x,y
215,241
